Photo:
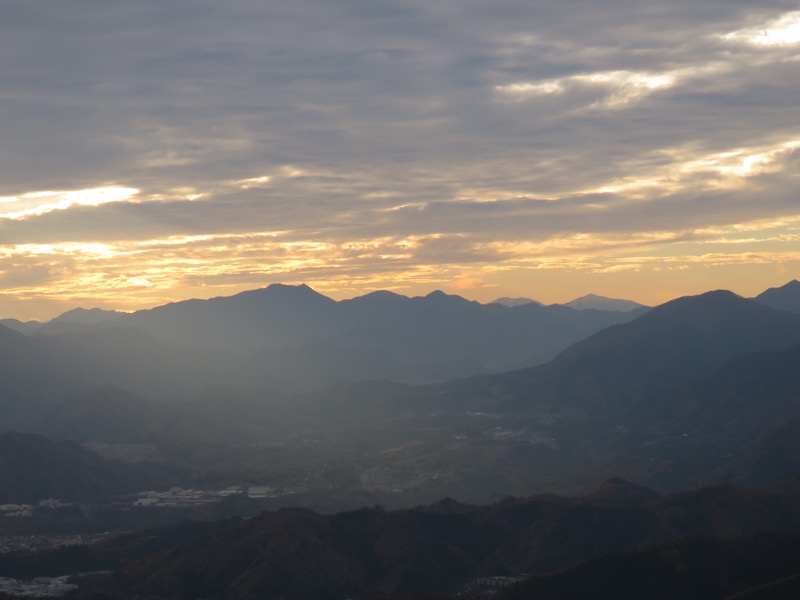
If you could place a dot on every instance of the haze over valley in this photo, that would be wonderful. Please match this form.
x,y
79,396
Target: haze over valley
x,y
283,397
399,300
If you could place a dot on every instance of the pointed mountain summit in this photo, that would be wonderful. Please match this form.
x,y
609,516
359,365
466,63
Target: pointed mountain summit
x,y
268,317
786,297
593,301
379,296
442,297
278,292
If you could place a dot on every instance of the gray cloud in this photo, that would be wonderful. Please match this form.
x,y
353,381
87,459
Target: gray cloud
x,y
397,116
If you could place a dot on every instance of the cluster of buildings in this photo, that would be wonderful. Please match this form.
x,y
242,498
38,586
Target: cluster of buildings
x,y
41,542
40,587
26,510
180,497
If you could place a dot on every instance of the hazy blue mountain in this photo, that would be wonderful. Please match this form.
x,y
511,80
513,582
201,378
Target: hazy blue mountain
x,y
786,297
602,303
105,414
142,363
510,302
291,337
33,468
215,415
86,316
78,319
266,318
34,375
25,327
37,372
438,326
447,329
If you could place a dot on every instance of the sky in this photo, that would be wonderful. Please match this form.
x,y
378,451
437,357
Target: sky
x,y
155,151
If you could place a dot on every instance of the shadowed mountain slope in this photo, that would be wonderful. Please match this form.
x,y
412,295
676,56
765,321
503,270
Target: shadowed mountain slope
x,y
611,371
33,468
751,394
696,568
786,297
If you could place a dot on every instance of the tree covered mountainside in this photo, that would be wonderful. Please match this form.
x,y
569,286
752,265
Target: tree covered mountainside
x,y
630,536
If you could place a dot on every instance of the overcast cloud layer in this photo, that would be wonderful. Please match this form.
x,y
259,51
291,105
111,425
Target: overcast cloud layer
x,y
160,150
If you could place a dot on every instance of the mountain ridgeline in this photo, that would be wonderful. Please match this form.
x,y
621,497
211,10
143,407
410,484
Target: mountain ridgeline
x,y
283,397
710,375
283,338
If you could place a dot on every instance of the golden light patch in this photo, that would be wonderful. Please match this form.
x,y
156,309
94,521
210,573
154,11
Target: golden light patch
x,y
621,87
32,204
783,31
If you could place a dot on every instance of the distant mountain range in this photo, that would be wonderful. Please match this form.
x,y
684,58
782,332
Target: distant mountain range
x,y
711,376
587,302
291,338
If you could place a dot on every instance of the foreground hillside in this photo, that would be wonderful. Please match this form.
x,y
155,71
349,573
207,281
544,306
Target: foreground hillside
x,y
450,547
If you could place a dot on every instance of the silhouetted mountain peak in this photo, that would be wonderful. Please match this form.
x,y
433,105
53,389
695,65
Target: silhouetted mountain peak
x,y
717,302
280,295
786,297
380,296
442,297
282,290
593,301
86,315
512,302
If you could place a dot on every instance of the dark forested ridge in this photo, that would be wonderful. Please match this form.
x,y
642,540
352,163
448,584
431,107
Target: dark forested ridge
x,y
447,547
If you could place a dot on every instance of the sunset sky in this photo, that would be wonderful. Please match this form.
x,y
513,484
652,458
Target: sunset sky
x,y
160,150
